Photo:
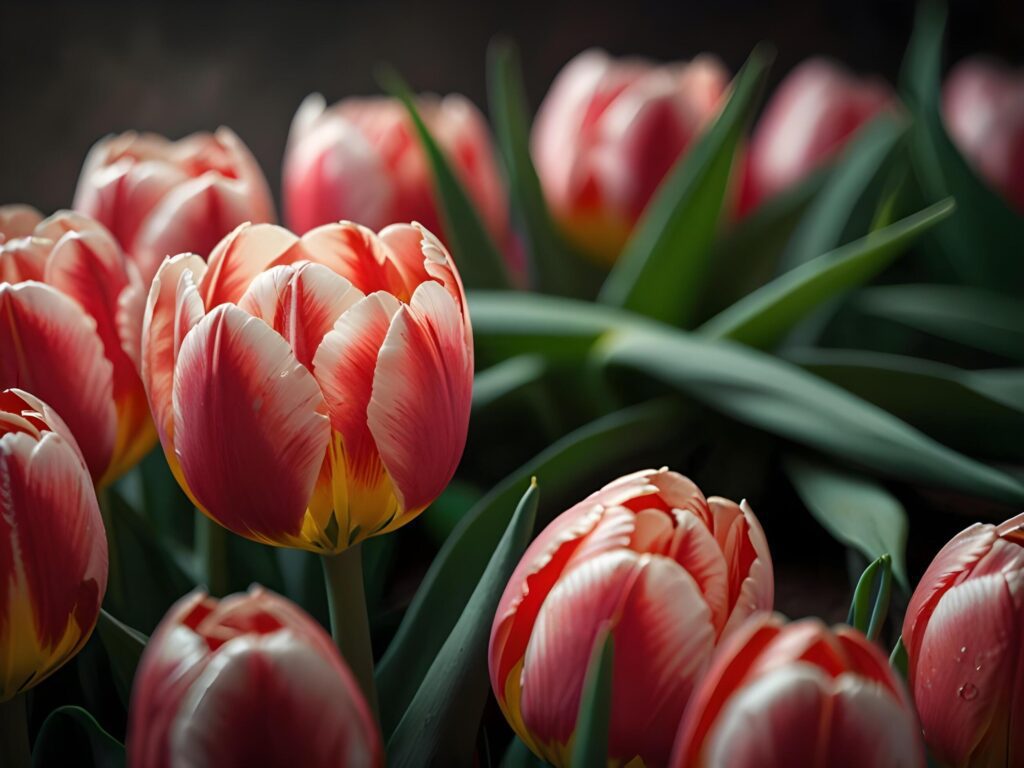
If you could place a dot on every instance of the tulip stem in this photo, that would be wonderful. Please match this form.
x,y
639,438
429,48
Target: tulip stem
x,y
211,540
14,733
350,622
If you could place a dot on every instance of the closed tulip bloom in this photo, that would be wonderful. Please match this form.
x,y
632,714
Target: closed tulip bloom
x,y
53,551
71,307
983,104
964,634
244,681
160,197
669,572
811,116
609,131
799,695
361,160
311,392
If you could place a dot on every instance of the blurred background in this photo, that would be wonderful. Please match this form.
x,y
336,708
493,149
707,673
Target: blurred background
x,y
71,72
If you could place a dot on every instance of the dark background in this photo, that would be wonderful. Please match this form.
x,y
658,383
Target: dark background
x,y
72,72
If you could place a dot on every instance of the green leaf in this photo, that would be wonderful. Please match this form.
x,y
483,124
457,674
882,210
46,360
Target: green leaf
x,y
969,316
856,511
456,569
898,659
506,379
590,741
518,755
764,316
124,647
71,736
663,268
870,603
480,262
441,723
777,397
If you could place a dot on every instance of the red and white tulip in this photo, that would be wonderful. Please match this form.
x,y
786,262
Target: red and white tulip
x,y
670,572
247,680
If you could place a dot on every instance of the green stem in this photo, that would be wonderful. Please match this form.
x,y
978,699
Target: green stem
x,y
14,733
211,542
350,623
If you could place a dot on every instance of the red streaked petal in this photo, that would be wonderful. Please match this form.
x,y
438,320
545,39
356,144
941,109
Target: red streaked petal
x,y
242,255
870,727
359,254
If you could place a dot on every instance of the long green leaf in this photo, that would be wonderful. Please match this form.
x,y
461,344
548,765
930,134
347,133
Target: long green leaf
x,y
590,745
440,725
870,603
71,736
761,318
124,647
498,383
663,269
480,262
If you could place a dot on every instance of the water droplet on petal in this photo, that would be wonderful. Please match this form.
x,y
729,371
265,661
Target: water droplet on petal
x,y
968,692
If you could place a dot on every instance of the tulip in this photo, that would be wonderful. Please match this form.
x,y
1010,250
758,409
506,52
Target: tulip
x,y
311,392
669,572
609,131
964,635
361,159
161,197
53,551
800,694
72,306
247,680
983,104
811,116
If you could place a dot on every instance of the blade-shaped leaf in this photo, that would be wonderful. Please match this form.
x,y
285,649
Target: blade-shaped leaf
x,y
856,511
496,384
663,268
761,318
124,647
518,755
898,658
590,742
71,736
870,603
440,725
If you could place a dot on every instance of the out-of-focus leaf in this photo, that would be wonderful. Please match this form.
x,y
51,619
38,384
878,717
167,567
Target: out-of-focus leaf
x,y
456,569
518,755
449,508
71,736
856,511
980,412
509,377
480,262
590,745
870,603
439,726
778,397
761,318
124,647
663,269
968,316
250,563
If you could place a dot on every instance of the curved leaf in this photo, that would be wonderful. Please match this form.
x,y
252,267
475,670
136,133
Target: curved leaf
x,y
590,741
124,647
71,736
870,603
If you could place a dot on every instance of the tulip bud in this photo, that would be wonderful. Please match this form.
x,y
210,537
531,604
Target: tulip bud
x,y
247,680
781,695
607,134
983,103
311,392
71,307
670,572
964,635
810,117
53,551
361,160
161,197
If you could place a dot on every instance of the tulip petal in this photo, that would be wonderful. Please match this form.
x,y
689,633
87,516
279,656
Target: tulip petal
x,y
249,428
868,727
242,255
360,255
17,221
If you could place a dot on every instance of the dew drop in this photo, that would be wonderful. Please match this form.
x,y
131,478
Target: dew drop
x,y
968,692
961,653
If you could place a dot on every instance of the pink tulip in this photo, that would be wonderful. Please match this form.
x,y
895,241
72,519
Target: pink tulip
x,y
964,634
311,392
361,160
799,695
609,131
670,572
161,197
72,306
53,551
983,103
244,681
810,117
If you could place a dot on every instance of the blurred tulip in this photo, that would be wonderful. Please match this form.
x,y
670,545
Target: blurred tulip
x,y
72,316
609,131
53,551
311,392
244,681
964,634
670,572
160,197
783,695
983,103
810,117
361,160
